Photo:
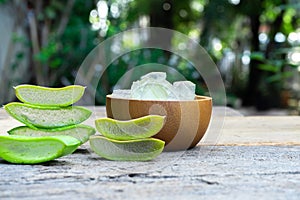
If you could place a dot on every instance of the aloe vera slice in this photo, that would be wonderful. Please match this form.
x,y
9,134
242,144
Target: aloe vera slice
x,y
80,132
133,150
32,150
38,95
142,127
47,117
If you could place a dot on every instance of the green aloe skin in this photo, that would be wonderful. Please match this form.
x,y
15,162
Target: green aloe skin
x,y
139,128
45,96
132,150
32,150
47,117
80,132
52,129
52,126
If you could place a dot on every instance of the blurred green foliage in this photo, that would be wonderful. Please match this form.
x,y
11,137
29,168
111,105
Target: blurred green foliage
x,y
222,27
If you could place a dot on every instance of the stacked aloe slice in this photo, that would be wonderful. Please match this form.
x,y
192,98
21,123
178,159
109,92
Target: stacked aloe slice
x,y
52,125
128,140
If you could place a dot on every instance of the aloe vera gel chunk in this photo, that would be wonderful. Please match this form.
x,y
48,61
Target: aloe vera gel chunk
x,y
80,132
45,96
132,150
33,150
47,117
154,86
143,127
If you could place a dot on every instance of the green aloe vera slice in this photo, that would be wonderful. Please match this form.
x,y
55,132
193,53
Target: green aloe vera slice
x,y
32,150
80,132
38,95
142,127
132,150
47,117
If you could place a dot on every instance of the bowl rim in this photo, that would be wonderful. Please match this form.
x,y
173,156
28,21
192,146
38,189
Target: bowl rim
x,y
197,98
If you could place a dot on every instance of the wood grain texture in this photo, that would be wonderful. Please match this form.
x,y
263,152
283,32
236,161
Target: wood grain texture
x,y
253,157
262,130
207,172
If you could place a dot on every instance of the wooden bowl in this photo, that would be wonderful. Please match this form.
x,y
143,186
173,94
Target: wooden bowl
x,y
186,121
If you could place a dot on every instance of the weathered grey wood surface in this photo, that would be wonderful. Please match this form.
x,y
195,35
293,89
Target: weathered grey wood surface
x,y
219,172
267,169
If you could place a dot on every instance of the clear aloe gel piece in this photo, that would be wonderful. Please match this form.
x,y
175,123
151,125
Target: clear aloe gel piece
x,y
142,127
45,96
132,150
33,150
80,132
47,117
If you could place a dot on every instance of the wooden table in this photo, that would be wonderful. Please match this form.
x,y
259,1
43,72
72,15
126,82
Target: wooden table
x,y
252,157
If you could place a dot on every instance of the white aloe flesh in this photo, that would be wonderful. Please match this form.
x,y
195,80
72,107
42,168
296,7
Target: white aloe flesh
x,y
138,128
133,150
80,132
33,150
47,117
46,96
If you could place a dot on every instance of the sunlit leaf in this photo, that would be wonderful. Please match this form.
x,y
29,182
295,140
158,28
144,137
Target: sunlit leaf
x,y
259,56
267,67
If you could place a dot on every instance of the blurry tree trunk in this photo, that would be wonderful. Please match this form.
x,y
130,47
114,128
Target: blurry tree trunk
x,y
161,15
65,17
275,87
252,90
13,70
37,66
41,31
259,92
252,9
5,73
